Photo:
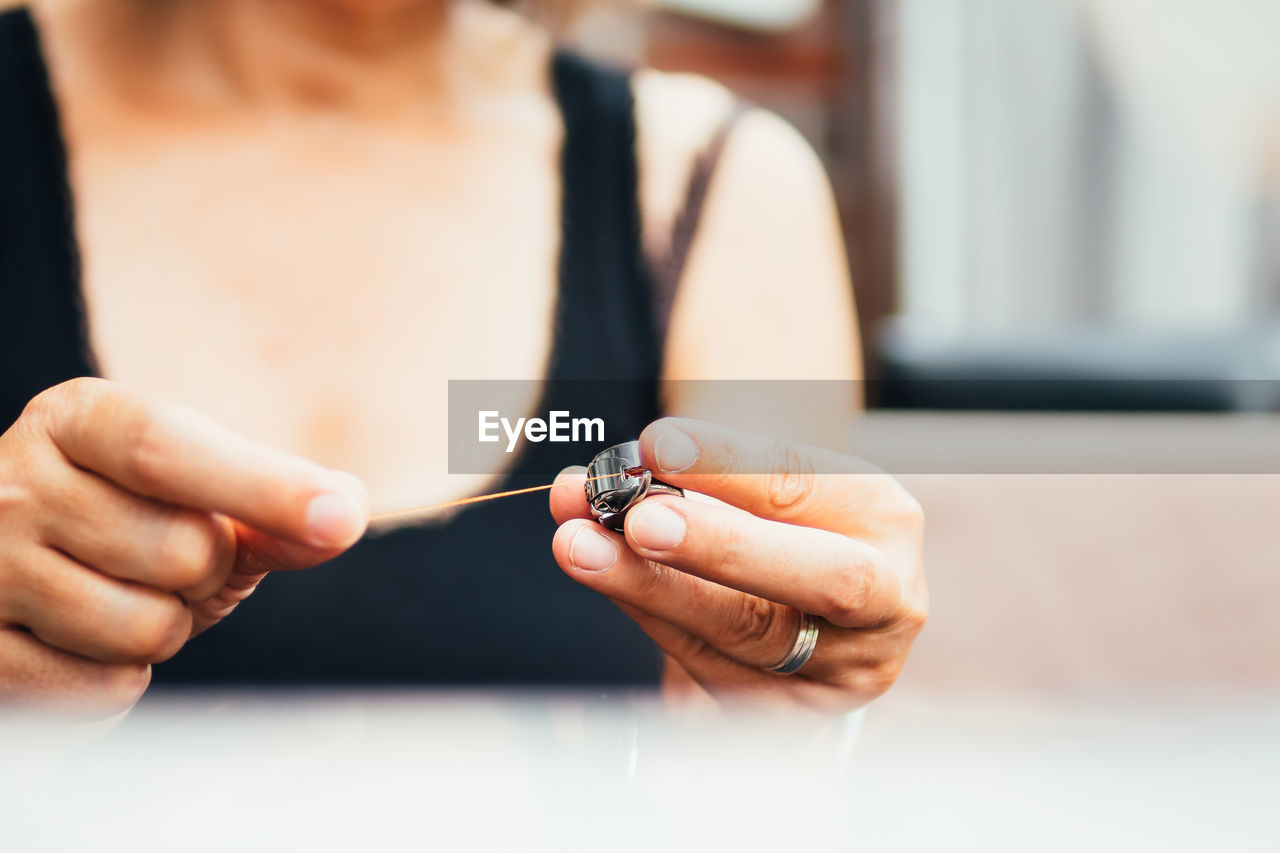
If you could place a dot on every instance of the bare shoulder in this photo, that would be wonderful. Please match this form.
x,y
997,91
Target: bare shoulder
x,y
768,261
676,116
679,114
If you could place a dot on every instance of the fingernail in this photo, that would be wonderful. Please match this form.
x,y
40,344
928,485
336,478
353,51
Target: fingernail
x,y
674,451
591,552
573,472
335,520
656,527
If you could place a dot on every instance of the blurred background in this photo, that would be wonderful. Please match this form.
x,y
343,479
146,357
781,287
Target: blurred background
x,y
1089,187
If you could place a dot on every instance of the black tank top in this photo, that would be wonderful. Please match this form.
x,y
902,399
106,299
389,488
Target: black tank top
x,y
478,600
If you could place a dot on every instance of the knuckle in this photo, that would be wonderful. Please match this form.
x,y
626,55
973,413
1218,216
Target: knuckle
x,y
30,477
37,409
56,494
80,389
843,600
187,552
652,582
910,512
914,616
146,448
157,632
909,506
732,548
14,497
791,480
870,682
61,397
690,648
900,513
754,624
47,401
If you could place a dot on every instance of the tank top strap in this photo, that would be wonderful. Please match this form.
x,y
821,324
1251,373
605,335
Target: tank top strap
x,y
42,318
606,322
684,228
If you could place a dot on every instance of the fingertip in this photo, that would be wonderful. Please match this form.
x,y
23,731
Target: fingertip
x,y
355,485
566,536
650,434
584,546
655,527
338,516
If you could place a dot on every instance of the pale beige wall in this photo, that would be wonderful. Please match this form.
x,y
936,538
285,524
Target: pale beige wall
x,y
1118,583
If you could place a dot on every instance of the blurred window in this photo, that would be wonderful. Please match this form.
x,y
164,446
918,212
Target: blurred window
x,y
1089,186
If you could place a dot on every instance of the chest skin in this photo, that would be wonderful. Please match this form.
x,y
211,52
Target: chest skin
x,y
314,283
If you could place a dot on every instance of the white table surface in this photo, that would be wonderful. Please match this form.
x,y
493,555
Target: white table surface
x,y
503,772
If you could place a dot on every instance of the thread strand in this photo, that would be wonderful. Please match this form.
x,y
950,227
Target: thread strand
x,y
381,517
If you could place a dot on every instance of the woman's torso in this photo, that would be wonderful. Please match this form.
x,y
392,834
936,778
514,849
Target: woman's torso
x,y
259,257
319,246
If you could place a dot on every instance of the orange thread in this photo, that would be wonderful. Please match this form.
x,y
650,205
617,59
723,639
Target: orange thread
x,y
418,510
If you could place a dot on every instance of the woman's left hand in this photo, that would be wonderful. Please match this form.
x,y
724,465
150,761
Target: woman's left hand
x,y
722,587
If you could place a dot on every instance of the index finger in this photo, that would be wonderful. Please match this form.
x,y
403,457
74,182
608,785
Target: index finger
x,y
176,455
772,477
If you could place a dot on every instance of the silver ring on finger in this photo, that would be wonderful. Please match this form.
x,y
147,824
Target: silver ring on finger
x,y
802,650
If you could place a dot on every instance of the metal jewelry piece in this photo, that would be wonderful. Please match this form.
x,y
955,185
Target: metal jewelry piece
x,y
617,480
806,642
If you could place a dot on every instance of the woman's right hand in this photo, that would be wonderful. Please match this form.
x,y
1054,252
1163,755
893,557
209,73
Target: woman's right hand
x,y
127,526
